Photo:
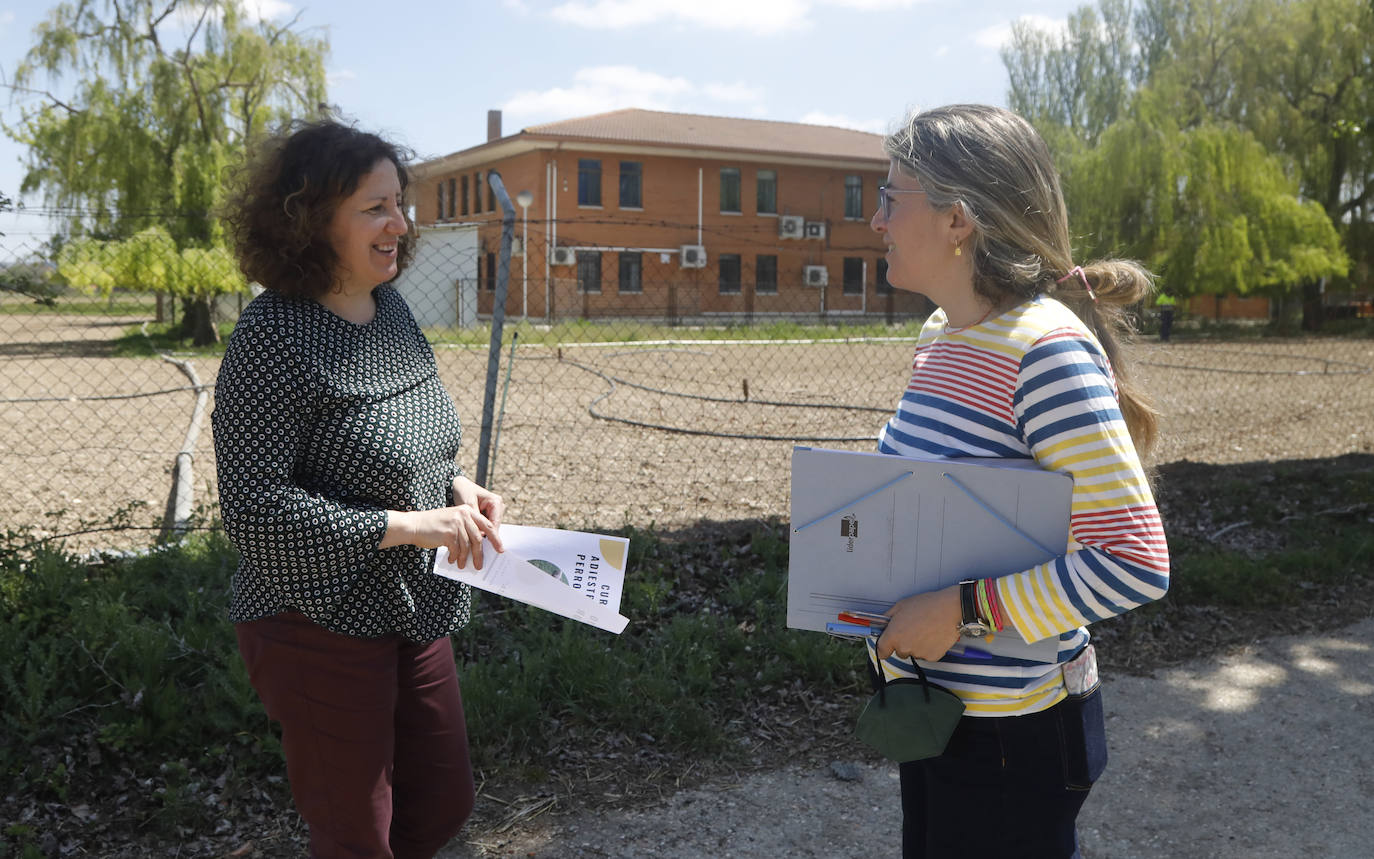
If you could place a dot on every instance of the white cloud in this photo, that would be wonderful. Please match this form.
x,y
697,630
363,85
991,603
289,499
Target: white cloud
x,y
6,19
874,5
839,120
999,35
756,16
333,77
765,17
267,10
519,7
598,89
738,92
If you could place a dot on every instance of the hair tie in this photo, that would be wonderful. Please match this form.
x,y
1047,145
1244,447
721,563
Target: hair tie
x,y
1078,270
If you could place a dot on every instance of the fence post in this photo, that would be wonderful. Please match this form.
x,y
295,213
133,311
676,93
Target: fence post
x,y
498,320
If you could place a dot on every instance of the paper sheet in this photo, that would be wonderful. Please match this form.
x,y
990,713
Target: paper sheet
x,y
575,574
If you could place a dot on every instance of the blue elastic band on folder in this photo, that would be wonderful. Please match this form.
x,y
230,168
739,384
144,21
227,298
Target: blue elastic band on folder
x,y
998,516
825,516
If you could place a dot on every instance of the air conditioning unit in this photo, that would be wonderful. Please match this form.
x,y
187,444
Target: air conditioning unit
x,y
693,256
791,226
815,275
815,229
562,256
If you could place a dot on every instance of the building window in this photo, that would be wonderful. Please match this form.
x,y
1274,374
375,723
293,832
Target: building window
x,y
854,197
631,268
477,193
491,198
452,192
588,182
766,274
768,192
588,271
490,282
440,216
729,274
464,199
631,185
729,189
853,275
883,287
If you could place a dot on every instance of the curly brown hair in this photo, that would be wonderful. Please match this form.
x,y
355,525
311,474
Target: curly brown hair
x,y
284,197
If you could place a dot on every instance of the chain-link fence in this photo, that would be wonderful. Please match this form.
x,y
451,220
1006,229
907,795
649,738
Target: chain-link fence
x,y
626,388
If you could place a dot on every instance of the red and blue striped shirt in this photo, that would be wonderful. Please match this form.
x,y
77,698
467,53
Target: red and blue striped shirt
x,y
1034,383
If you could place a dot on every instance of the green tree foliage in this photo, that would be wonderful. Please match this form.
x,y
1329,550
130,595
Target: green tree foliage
x,y
1292,76
157,99
1207,208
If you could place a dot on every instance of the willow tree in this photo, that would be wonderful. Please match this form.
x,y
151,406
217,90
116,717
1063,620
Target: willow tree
x,y
1206,208
141,106
1295,75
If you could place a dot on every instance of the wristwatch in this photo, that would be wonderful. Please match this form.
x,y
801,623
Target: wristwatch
x,y
972,625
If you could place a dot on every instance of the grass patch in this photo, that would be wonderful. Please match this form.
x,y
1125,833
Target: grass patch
x,y
121,689
166,337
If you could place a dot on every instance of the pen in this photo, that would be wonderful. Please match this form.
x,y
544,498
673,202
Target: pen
x,y
969,652
864,618
849,630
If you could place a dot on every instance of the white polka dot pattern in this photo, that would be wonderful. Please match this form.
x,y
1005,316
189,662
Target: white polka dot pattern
x,y
320,427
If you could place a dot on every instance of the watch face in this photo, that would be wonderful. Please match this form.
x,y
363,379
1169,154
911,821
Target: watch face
x,y
976,629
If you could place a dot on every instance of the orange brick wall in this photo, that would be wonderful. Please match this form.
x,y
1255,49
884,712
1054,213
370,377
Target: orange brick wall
x,y
667,221
1228,307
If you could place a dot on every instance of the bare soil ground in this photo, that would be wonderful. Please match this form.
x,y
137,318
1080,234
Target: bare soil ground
x,y
660,435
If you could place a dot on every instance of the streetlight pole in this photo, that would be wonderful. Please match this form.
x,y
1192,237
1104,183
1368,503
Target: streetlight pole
x,y
524,198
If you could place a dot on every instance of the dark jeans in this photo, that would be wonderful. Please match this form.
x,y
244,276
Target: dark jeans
x,y
1166,322
373,731
1006,787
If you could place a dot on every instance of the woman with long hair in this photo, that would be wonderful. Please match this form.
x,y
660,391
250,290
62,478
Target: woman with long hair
x,y
1021,360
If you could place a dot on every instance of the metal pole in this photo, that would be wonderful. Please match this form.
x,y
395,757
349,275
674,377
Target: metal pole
x,y
498,319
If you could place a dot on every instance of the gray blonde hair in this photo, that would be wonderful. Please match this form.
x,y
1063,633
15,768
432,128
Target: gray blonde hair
x,y
994,166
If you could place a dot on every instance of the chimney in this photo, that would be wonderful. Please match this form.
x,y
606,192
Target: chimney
x,y
493,125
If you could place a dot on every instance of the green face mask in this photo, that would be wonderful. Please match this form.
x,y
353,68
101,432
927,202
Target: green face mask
x,y
910,718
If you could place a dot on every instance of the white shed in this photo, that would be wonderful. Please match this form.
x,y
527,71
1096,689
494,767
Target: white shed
x,y
440,285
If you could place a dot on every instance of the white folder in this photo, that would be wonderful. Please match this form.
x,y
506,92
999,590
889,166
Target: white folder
x,y
869,529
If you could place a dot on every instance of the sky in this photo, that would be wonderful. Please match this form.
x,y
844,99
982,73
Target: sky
x,y
425,72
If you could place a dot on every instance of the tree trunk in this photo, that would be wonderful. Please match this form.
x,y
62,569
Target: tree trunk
x,y
1312,313
198,321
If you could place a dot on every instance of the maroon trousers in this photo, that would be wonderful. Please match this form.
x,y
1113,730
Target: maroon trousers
x,y
373,730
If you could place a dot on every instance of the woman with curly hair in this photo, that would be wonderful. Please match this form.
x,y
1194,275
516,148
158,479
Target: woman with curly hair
x,y
1021,361
335,444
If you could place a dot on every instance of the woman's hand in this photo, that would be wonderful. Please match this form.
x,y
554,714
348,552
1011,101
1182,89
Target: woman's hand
x,y
923,626
488,503
476,514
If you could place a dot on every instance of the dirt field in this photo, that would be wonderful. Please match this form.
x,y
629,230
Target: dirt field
x,y
573,446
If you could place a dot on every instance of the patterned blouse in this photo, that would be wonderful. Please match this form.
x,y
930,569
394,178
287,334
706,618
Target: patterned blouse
x,y
320,427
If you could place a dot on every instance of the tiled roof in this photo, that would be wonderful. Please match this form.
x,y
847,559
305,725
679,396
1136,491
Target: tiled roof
x,y
659,128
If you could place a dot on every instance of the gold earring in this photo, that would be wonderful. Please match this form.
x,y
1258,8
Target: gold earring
x,y
958,251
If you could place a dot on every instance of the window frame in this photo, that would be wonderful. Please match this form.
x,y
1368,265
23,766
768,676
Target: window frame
x,y
637,174
738,191
853,192
758,192
584,259
762,287
848,286
724,286
585,186
636,286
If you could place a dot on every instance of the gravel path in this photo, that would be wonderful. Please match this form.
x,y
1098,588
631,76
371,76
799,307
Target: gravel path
x,y
1262,753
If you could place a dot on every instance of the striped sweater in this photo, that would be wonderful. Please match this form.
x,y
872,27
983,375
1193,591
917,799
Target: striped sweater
x,y
1034,383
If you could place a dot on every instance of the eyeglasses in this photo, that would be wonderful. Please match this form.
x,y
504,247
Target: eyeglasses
x,y
885,193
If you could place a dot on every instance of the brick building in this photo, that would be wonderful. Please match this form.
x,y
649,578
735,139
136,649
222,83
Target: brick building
x,y
650,214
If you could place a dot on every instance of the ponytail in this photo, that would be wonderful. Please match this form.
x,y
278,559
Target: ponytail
x,y
1103,297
